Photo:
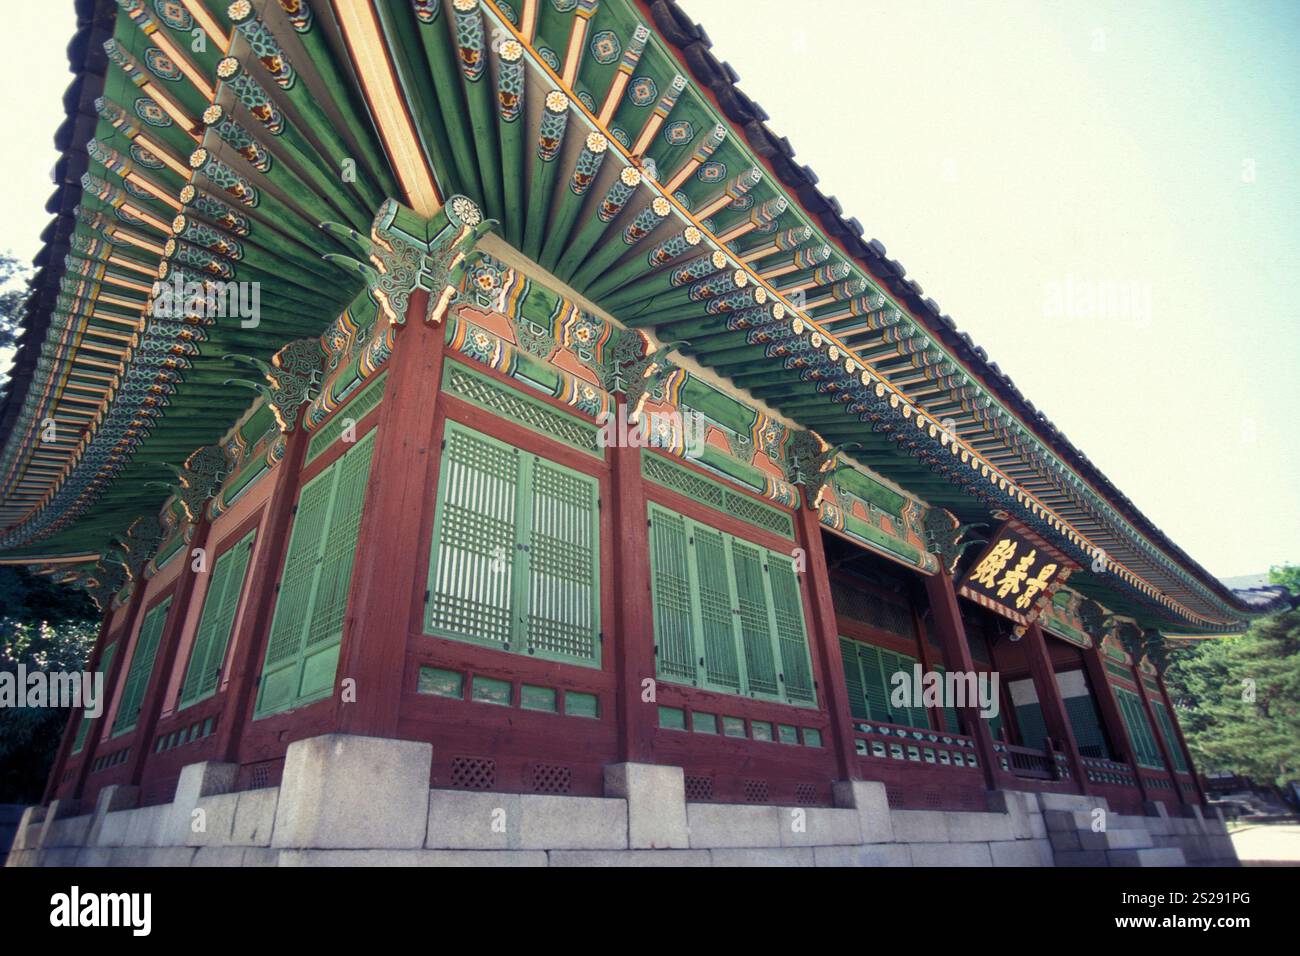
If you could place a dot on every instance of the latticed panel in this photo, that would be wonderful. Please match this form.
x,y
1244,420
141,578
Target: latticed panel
x,y
552,778
791,635
951,722
1033,727
1086,725
216,622
757,791
755,631
706,491
1170,735
357,408
203,636
683,480
718,623
505,401
670,582
853,681
755,512
474,547
279,685
137,676
698,789
866,607
234,589
473,773
876,690
105,665
339,551
563,560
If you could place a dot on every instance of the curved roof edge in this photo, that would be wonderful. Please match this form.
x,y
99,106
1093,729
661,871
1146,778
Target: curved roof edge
x,y
89,65
693,46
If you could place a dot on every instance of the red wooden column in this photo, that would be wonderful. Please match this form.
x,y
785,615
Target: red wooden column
x,y
1050,702
1145,696
1182,741
1110,710
385,597
75,715
262,574
826,642
952,638
133,608
634,639
177,613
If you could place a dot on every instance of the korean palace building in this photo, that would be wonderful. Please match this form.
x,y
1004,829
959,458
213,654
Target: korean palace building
x,y
474,404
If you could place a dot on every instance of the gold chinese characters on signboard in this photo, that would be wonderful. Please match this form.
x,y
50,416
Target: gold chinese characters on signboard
x,y
1012,575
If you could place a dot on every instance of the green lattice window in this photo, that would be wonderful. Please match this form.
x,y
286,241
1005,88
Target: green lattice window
x,y
707,491
867,675
358,406
137,675
1166,724
216,623
105,666
515,561
303,648
728,614
1145,749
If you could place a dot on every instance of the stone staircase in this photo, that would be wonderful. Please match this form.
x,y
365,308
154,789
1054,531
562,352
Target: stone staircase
x,y
1082,836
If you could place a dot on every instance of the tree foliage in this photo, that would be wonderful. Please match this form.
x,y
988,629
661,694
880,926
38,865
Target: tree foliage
x,y
1238,698
42,627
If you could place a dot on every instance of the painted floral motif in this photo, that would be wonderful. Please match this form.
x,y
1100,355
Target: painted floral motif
x,y
549,58
174,15
679,133
643,91
605,47
161,65
711,172
564,6
151,112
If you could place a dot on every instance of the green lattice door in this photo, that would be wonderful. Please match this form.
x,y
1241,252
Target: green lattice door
x,y
1170,735
728,614
137,675
302,650
216,622
1143,741
105,667
515,560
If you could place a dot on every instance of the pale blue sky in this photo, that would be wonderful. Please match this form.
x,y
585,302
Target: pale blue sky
x,y
1005,152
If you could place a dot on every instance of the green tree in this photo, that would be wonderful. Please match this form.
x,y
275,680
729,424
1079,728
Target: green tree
x,y
1238,698
43,626
13,296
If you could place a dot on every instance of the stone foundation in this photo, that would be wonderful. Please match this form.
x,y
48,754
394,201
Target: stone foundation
x,y
361,801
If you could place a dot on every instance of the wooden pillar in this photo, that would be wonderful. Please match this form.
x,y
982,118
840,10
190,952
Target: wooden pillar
x,y
133,608
1110,712
1182,741
952,638
255,625
75,715
168,643
825,636
385,597
1050,702
634,639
